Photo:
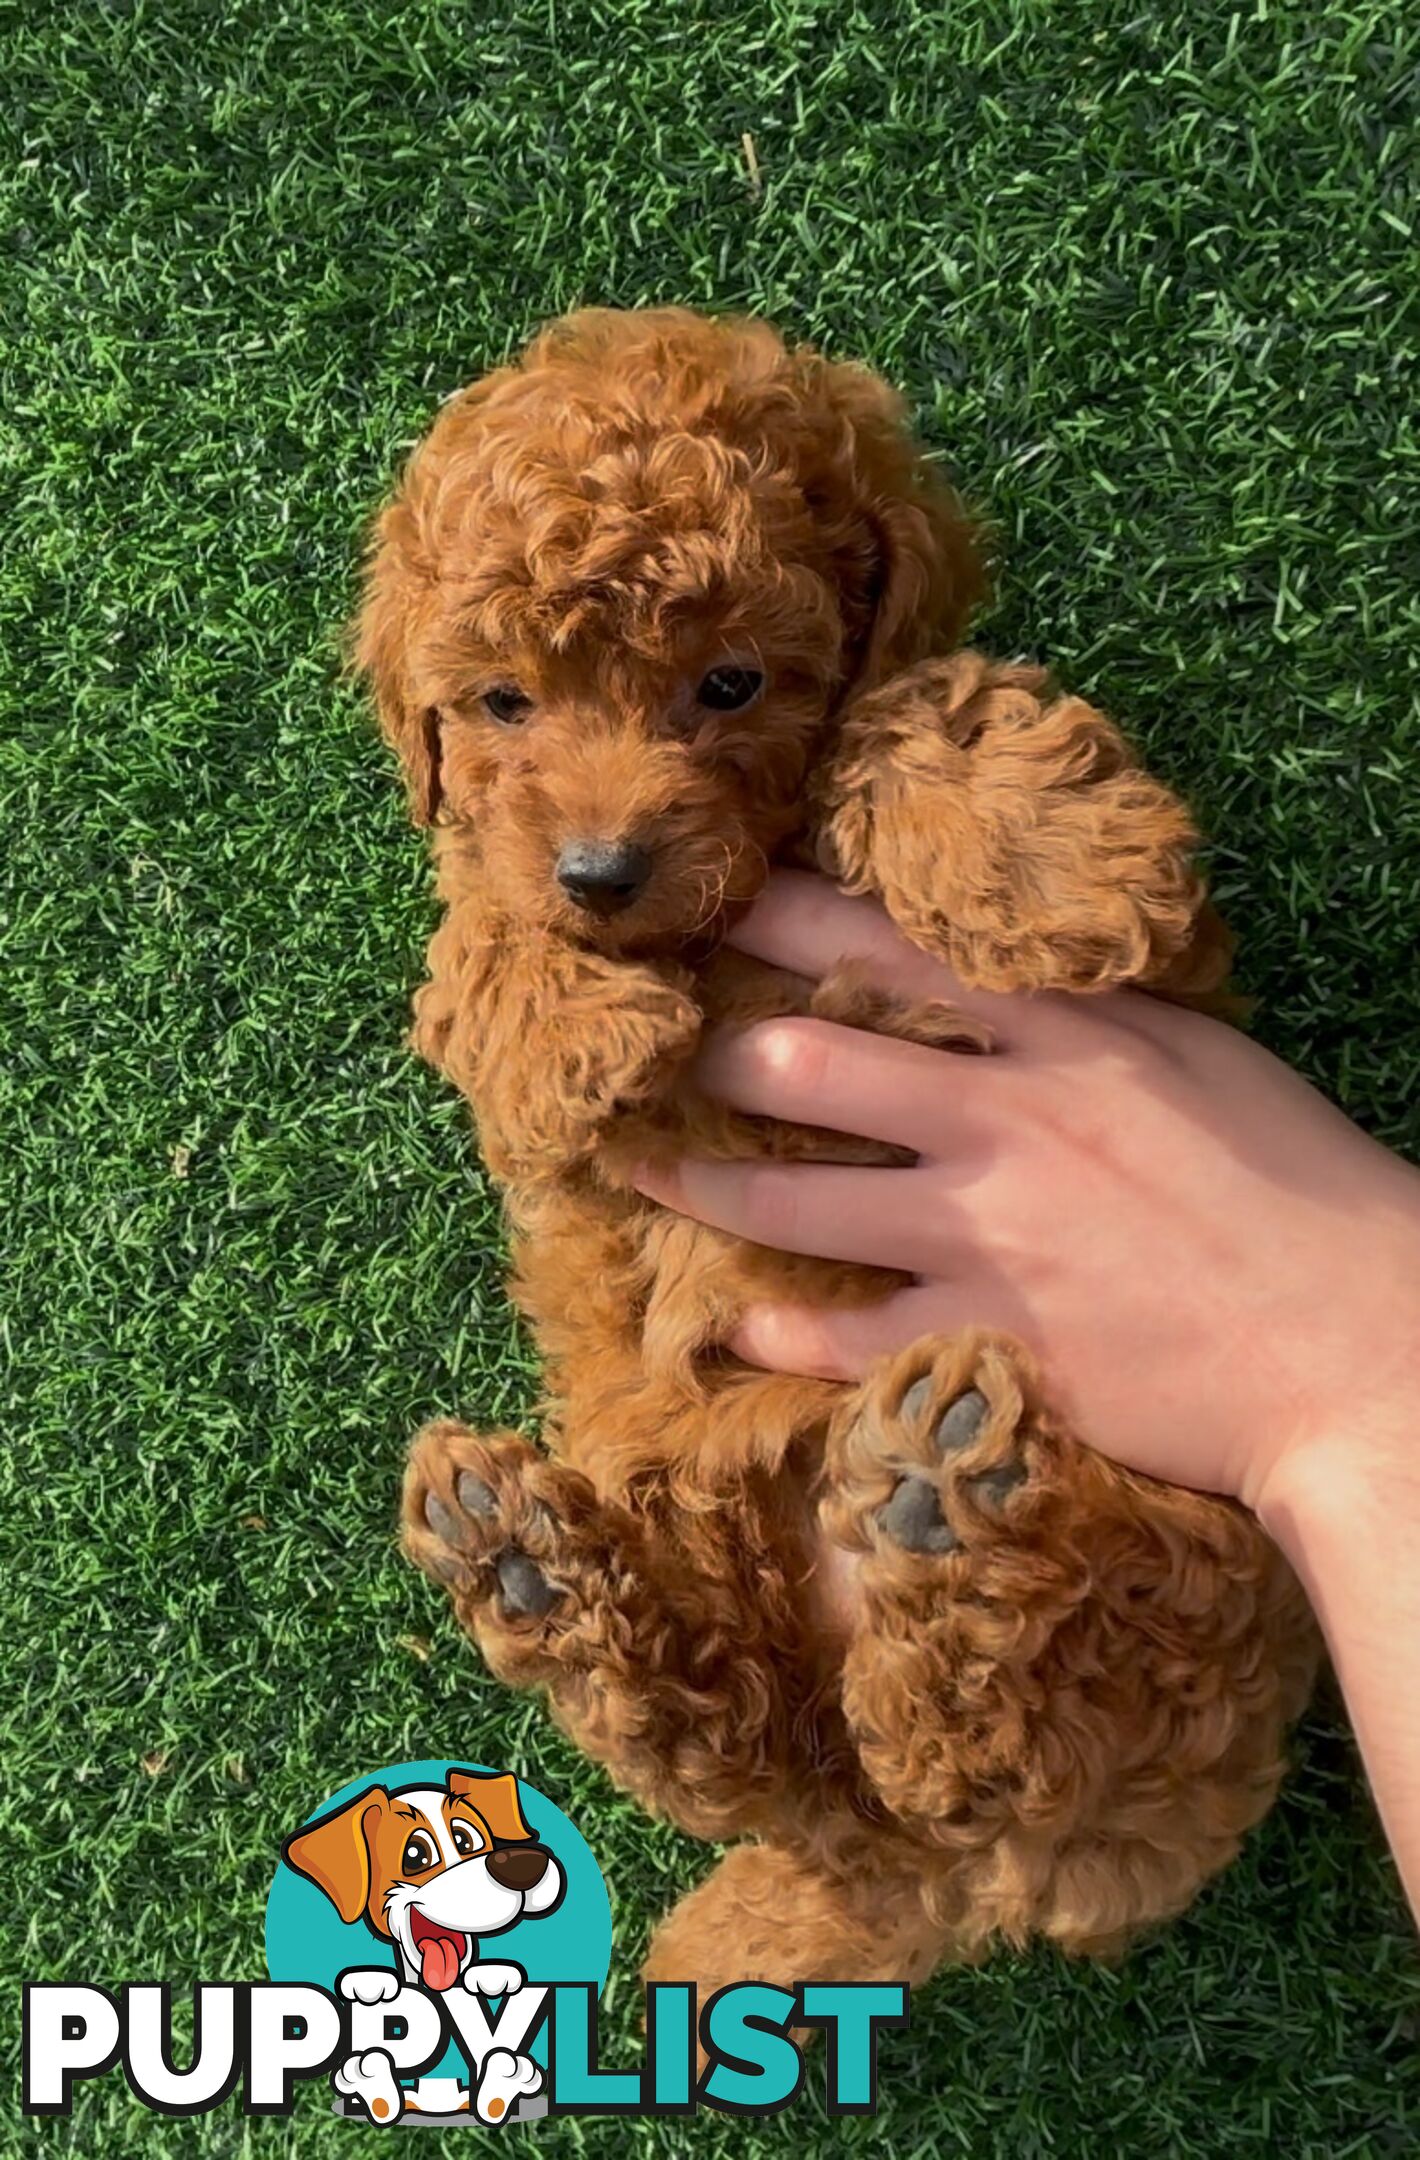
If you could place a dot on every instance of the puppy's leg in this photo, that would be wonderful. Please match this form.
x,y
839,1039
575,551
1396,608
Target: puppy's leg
x,y
550,1044
1009,829
849,995
1075,1680
668,1676
785,1914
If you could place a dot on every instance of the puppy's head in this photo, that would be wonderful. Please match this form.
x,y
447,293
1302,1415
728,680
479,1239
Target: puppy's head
x,y
619,595
431,1869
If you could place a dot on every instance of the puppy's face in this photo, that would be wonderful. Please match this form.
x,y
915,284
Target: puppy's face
x,y
623,589
626,758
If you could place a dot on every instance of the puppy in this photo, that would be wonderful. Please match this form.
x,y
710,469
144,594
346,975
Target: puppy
x,y
661,603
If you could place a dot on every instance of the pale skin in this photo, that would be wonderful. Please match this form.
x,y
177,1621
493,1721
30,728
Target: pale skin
x,y
1219,1273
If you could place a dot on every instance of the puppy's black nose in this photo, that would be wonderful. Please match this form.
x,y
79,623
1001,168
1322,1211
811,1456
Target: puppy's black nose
x,y
603,876
517,1867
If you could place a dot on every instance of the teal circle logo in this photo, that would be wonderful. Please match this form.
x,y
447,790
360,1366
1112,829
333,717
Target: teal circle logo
x,y
439,1899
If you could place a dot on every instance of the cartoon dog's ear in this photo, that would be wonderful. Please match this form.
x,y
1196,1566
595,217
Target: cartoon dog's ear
x,y
495,1796
394,587
907,560
335,1852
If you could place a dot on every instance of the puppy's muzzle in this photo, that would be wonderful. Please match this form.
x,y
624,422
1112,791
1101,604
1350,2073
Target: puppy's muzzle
x,y
517,1867
603,876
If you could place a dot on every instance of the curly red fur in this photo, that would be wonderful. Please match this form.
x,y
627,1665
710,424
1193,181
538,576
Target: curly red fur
x,y
1064,1721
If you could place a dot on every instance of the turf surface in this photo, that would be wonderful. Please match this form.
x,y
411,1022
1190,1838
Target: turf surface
x,y
1148,272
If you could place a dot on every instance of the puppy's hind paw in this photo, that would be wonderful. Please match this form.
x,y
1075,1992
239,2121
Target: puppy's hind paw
x,y
565,1590
913,1516
930,1461
370,2081
476,1521
505,2079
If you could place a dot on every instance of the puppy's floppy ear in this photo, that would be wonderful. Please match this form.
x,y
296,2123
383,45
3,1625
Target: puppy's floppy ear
x,y
335,1852
907,560
401,576
495,1796
394,586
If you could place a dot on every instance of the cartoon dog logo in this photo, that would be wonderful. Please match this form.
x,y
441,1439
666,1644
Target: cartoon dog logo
x,y
432,1870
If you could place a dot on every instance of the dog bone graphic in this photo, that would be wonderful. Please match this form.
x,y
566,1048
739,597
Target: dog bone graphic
x,y
504,2077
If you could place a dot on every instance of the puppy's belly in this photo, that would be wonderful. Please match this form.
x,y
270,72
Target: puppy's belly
x,y
833,1589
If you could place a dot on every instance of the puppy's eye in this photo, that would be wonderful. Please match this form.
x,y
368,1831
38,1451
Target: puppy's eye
x,y
464,1840
418,1854
507,704
730,689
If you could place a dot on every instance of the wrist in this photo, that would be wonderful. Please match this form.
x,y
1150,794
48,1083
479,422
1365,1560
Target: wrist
x,y
1336,1484
1354,1422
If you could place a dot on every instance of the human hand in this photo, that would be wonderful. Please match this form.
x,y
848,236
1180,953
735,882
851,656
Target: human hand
x,y
1219,1273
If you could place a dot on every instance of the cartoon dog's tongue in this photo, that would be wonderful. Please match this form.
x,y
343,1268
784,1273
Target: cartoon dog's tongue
x,y
439,1952
440,1960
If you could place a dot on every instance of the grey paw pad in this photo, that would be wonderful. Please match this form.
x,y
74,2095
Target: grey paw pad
x,y
527,1593
442,1519
448,1568
915,1401
994,1485
961,1421
476,1497
913,1518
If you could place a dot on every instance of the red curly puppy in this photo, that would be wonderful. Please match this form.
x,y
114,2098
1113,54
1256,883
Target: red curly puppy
x,y
661,603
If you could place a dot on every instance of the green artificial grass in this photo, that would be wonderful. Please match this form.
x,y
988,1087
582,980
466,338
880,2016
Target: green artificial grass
x,y
1147,271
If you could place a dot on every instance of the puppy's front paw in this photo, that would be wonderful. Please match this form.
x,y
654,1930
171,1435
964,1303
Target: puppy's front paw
x,y
610,1043
376,1985
1011,831
493,1979
630,1051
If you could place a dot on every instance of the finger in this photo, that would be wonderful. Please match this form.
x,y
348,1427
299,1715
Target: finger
x,y
827,1342
840,1343
829,1212
807,925
813,1072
